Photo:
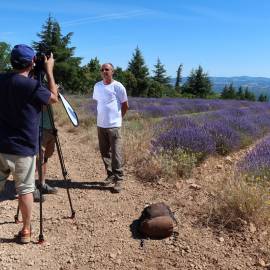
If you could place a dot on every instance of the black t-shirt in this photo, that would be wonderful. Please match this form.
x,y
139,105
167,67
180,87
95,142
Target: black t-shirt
x,y
21,100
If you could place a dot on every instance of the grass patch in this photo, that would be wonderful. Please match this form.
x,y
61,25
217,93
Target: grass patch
x,y
166,165
235,201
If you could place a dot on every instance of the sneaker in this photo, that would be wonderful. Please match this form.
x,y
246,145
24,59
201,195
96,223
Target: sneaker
x,y
24,236
36,196
46,189
109,180
117,187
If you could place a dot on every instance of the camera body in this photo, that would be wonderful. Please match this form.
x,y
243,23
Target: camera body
x,y
39,63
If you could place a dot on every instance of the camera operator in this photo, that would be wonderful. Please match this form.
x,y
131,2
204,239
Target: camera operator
x,y
21,100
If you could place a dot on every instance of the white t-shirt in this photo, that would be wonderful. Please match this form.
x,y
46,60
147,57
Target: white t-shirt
x,y
109,98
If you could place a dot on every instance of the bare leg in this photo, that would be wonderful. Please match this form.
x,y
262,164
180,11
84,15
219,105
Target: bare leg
x,y
26,204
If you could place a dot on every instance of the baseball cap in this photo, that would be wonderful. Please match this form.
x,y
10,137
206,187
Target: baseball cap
x,y
22,54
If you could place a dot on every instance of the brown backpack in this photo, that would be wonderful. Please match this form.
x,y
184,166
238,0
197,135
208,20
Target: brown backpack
x,y
157,221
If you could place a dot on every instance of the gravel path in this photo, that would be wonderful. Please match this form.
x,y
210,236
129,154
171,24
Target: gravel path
x,y
100,236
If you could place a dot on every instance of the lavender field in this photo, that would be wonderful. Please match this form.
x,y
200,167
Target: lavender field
x,y
178,134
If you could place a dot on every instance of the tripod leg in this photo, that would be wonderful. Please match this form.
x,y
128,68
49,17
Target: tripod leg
x,y
16,217
61,159
64,172
41,237
70,203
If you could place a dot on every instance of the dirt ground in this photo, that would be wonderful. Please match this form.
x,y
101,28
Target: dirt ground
x,y
100,236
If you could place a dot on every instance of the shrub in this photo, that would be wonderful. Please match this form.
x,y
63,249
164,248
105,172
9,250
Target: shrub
x,y
168,165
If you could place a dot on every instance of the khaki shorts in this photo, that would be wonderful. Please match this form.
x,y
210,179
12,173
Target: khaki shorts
x,y
48,143
23,170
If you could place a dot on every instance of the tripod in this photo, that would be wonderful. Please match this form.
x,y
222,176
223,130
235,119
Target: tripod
x,y
63,168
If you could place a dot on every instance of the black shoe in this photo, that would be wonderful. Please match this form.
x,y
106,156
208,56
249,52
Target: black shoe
x,y
109,180
36,196
46,189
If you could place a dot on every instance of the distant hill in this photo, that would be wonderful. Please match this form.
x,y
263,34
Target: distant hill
x,y
258,85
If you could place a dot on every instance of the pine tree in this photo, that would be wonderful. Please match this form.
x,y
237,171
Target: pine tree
x,y
67,67
198,84
263,98
5,50
228,92
178,81
249,95
140,72
91,74
160,73
224,94
240,94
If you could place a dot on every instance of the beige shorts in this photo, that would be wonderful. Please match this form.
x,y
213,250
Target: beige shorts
x,y
23,170
48,143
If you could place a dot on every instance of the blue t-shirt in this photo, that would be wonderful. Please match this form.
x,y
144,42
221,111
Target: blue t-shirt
x,y
21,100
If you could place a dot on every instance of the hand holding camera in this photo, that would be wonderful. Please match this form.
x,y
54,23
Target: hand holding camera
x,y
48,64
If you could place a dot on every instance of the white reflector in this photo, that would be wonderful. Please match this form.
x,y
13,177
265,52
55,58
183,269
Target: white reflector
x,y
70,112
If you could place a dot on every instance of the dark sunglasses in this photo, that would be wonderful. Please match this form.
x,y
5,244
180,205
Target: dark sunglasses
x,y
104,69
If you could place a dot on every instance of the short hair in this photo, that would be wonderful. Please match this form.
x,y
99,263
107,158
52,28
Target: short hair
x,y
110,64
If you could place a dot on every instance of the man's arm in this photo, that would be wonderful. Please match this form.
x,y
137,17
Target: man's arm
x,y
49,64
124,108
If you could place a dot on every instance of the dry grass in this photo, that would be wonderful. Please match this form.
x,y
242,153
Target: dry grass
x,y
137,135
235,201
85,120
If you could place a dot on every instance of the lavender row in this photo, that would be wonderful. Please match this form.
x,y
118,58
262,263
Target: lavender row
x,y
257,162
165,107
220,131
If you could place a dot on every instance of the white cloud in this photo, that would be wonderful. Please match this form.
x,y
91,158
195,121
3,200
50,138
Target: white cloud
x,y
107,17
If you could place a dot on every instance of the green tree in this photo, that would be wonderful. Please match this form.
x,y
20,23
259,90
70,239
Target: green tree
x,y
240,93
5,50
198,84
126,78
160,73
91,75
67,67
228,92
249,95
178,81
140,72
156,89
263,98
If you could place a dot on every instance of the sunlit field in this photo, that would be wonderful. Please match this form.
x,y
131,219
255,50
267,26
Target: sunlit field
x,y
168,138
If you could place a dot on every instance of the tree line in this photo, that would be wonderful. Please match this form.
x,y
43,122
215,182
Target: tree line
x,y
230,92
78,79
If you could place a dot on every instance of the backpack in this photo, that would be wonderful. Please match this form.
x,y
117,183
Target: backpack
x,y
156,221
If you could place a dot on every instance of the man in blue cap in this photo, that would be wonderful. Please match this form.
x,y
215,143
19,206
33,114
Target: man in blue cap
x,y
21,101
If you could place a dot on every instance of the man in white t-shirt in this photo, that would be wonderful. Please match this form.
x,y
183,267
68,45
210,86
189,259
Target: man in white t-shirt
x,y
112,105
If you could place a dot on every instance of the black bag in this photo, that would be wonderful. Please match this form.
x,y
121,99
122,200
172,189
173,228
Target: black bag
x,y
157,221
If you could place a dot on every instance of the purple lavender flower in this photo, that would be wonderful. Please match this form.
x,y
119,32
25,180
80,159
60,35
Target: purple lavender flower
x,y
257,161
195,140
226,139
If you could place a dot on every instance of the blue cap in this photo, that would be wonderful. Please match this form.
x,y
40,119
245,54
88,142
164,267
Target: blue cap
x,y
22,54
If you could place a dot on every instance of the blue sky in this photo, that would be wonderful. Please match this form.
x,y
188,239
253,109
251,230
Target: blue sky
x,y
227,38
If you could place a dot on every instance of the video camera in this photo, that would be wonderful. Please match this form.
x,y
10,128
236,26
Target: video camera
x,y
43,52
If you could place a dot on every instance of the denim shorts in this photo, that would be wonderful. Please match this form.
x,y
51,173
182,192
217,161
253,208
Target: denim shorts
x,y
23,170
